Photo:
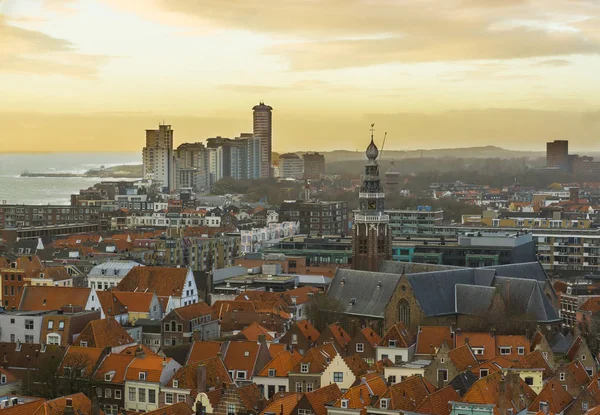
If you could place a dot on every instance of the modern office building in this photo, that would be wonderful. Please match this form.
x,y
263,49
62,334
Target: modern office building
x,y
314,165
263,123
420,221
557,154
316,218
291,166
158,158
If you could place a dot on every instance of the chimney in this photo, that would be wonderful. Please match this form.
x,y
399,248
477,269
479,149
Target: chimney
x,y
262,339
69,407
492,332
502,387
95,404
201,378
164,362
139,352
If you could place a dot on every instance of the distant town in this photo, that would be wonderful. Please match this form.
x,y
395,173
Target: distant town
x,y
228,279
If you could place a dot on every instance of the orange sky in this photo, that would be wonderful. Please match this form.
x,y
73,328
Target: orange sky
x,y
87,75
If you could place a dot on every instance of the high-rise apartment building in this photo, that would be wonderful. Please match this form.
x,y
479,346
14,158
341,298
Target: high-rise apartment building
x,y
557,154
158,156
314,165
291,166
191,167
263,122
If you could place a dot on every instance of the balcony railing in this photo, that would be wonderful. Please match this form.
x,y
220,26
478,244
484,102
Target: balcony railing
x,y
371,218
371,195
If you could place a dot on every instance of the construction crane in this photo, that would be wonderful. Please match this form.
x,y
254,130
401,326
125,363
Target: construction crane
x,y
382,146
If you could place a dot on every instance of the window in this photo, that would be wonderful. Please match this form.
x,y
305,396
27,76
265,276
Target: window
x,y
304,368
529,380
142,376
392,379
584,406
589,371
398,360
442,360
50,324
478,351
151,396
344,403
108,393
132,394
28,338
360,347
175,383
384,403
99,392
582,357
521,350
504,351
483,373
83,344
338,376
442,374
3,379
404,312
117,394
180,398
167,327
304,412
168,398
28,324
384,356
53,338
392,343
141,395
309,387
272,373
298,386
107,377
12,338
241,374
230,409
61,325
562,376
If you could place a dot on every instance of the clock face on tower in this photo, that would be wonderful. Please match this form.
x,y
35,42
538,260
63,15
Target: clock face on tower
x,y
372,204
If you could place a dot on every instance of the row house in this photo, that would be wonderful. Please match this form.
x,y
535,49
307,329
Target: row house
x,y
273,378
189,323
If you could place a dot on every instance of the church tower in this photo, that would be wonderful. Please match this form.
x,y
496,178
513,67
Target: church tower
x,y
371,237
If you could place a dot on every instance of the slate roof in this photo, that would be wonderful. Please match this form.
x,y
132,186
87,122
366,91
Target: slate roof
x,y
473,299
359,286
528,270
560,343
397,267
526,297
463,382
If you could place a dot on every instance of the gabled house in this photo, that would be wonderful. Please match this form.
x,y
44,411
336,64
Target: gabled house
x,y
448,363
317,401
431,338
358,398
143,381
282,404
553,397
109,380
63,327
203,350
37,298
9,383
112,307
497,364
139,305
540,342
254,331
78,403
579,350
189,323
273,378
177,283
364,344
534,370
245,359
301,336
243,400
309,372
438,403
573,377
397,345
357,365
335,334
104,333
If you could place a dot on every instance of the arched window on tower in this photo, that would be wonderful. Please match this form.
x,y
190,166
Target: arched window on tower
x,y
404,312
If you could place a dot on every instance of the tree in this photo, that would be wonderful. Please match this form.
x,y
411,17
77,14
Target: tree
x,y
323,311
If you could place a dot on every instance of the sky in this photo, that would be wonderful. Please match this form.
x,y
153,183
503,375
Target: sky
x,y
92,75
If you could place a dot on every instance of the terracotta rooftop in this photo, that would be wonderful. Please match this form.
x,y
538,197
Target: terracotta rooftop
x,y
131,350
317,358
282,364
360,396
254,330
216,375
282,405
438,403
514,342
222,306
242,355
372,337
320,397
79,402
152,365
430,339
357,364
408,394
114,365
104,333
574,348
381,364
39,297
477,340
110,304
78,358
164,281
579,373
308,330
276,348
339,334
193,311
29,406
400,334
463,358
492,366
180,408
487,391
136,302
555,395
203,350
250,395
535,360
592,305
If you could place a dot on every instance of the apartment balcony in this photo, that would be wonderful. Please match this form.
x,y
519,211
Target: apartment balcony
x,y
361,218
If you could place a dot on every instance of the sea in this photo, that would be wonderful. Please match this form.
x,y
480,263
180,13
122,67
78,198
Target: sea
x,y
53,190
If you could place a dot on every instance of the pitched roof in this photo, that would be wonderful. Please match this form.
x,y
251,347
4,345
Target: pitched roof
x,y
400,334
131,350
136,302
308,330
526,297
164,281
372,337
250,395
254,330
430,338
323,396
380,365
152,365
202,350
29,405
438,403
282,403
115,365
534,360
493,365
317,358
356,290
242,355
463,358
357,364
514,342
578,371
592,305
79,402
110,304
487,391
193,310
180,408
555,395
574,348
104,333
30,355
359,396
80,358
216,374
407,395
340,335
485,340
282,364
39,297
303,294
222,306
276,348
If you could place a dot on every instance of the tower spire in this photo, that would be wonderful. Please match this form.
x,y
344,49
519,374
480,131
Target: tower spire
x,y
372,129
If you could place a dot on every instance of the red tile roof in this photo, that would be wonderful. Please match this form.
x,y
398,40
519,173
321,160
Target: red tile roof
x,y
242,355
164,281
572,353
487,391
180,408
152,365
136,302
254,330
78,358
400,334
308,330
485,340
579,373
438,403
407,395
430,339
276,348
282,405
592,305
359,397
116,366
110,304
339,334
372,337
317,358
216,375
282,363
357,364
79,402
322,396
193,311
535,360
38,297
104,333
463,358
514,342
203,350
555,395
494,365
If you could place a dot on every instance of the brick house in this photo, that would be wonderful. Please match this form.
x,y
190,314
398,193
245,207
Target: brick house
x,y
104,333
189,323
301,336
336,335
573,377
448,363
364,343
109,380
244,400
580,351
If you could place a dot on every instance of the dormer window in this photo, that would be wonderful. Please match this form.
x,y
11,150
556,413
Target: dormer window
x,y
304,368
107,377
344,403
272,373
142,376
175,383
384,403
3,379
392,343
246,353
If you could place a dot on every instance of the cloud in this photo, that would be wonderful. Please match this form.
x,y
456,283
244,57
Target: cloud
x,y
555,63
314,35
29,51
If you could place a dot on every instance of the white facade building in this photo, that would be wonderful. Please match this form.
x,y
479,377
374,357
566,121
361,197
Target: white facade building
x,y
255,239
108,274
